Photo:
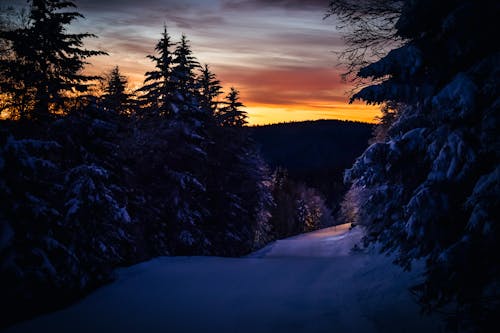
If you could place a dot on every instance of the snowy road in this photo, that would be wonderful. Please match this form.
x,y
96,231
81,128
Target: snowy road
x,y
307,283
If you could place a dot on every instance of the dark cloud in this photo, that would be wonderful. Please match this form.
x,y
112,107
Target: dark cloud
x,y
184,14
283,4
137,6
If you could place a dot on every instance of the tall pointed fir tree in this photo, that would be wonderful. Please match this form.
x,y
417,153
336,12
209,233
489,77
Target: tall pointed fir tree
x,y
185,84
210,90
231,113
158,98
46,61
431,188
115,97
174,149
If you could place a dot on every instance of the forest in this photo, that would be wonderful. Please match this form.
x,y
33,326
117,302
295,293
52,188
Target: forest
x,y
95,176
428,186
315,153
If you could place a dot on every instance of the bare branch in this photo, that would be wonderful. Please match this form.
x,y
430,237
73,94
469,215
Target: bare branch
x,y
367,28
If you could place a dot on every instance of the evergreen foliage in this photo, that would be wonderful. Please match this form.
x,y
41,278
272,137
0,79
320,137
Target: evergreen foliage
x,y
305,149
115,97
428,187
106,182
231,114
210,89
114,182
158,85
184,65
45,61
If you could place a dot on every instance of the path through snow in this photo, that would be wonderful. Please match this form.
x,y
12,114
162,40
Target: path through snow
x,y
307,283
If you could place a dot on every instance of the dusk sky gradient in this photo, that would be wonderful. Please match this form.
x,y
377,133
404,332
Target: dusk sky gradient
x,y
279,53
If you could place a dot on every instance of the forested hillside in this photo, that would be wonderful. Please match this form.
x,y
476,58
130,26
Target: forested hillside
x,y
315,153
312,145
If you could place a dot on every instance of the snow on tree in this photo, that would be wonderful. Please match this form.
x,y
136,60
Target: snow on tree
x,y
25,198
428,190
311,209
34,260
168,165
96,189
95,219
297,208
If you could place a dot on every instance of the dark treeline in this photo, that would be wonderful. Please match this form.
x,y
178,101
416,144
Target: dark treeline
x,y
92,179
314,153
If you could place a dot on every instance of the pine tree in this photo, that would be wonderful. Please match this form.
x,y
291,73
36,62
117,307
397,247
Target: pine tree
x,y
210,89
115,97
430,189
159,85
185,83
95,220
34,259
46,60
231,114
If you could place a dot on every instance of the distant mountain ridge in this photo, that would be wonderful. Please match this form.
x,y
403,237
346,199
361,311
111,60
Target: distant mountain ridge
x,y
314,152
302,146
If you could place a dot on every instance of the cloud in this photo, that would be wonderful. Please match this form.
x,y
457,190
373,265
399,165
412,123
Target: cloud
x,y
120,6
278,53
285,86
283,4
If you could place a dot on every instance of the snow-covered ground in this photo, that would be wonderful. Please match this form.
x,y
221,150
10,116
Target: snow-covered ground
x,y
307,283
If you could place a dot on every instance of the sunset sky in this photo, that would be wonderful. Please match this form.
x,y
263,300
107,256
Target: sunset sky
x,y
279,53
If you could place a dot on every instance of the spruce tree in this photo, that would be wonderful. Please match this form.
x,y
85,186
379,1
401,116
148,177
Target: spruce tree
x,y
115,97
46,61
159,85
430,188
231,114
210,89
185,83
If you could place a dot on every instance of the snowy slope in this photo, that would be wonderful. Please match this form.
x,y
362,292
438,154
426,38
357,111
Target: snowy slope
x,y
307,283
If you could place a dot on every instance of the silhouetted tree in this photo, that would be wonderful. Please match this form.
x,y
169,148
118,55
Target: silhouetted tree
x,y
186,87
94,190
389,116
210,89
159,85
115,97
231,113
46,60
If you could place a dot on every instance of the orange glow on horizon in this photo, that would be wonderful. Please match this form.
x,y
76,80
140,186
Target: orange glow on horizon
x,y
259,114
280,58
270,95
